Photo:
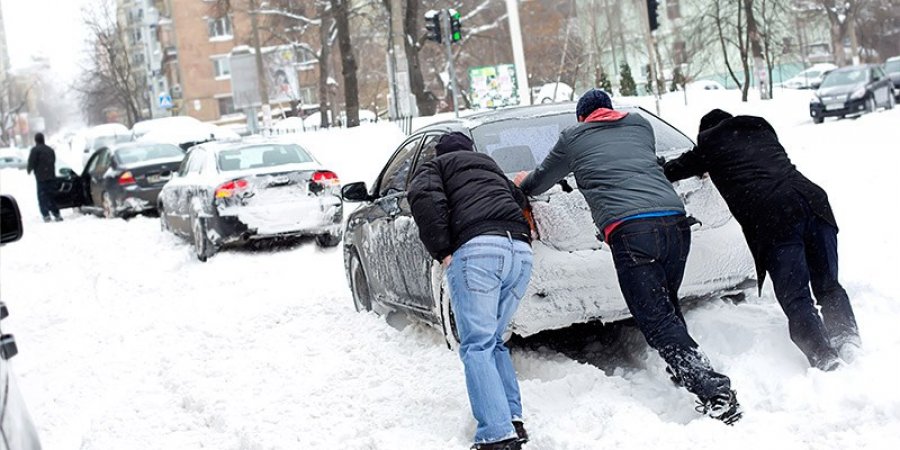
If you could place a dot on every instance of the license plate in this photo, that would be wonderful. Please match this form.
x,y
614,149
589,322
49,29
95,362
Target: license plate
x,y
834,106
158,178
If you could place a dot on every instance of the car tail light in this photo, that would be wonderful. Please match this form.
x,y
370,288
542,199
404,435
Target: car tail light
x,y
126,178
231,188
326,178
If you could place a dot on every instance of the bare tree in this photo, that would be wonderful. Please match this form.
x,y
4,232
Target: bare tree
x,y
842,16
341,13
732,31
108,80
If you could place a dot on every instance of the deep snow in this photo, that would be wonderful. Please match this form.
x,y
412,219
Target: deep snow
x,y
126,341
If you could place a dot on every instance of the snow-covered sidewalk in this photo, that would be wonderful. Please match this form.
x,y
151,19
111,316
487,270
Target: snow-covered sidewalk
x,y
126,341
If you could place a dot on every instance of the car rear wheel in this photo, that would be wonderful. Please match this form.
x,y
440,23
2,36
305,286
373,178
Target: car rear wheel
x,y
203,247
328,240
359,285
109,206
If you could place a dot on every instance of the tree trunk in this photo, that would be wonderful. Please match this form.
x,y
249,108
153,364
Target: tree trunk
x,y
348,61
427,104
324,56
754,38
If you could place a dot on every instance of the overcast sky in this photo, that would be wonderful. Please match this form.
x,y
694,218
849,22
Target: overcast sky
x,y
46,27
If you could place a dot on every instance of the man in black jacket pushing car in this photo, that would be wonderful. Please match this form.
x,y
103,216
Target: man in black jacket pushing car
x,y
470,217
788,224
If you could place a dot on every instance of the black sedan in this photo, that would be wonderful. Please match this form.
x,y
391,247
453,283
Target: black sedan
x,y
119,181
852,91
237,192
574,279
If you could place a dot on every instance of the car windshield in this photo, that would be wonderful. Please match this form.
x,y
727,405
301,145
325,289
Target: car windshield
x,y
892,66
521,144
845,77
136,154
259,156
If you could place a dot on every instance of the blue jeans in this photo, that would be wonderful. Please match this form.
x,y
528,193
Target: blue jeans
x,y
806,256
487,278
650,255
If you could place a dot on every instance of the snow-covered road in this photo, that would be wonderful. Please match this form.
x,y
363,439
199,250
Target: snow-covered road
x,y
126,341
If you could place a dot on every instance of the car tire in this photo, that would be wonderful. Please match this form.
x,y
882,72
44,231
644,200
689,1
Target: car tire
x,y
891,102
328,240
818,120
359,285
108,206
448,320
163,224
203,247
871,106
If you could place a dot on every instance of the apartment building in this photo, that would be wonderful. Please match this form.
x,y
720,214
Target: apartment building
x,y
138,22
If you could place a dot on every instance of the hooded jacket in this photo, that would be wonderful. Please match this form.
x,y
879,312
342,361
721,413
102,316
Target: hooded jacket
x,y
613,157
461,194
42,161
763,189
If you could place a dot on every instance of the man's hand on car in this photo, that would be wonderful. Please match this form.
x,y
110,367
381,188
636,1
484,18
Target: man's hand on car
x,y
446,261
520,177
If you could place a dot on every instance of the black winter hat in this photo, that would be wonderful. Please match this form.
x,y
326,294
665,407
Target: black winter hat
x,y
592,100
39,138
713,118
454,141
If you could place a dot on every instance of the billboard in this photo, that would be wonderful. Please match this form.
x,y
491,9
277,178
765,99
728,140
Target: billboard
x,y
493,86
279,64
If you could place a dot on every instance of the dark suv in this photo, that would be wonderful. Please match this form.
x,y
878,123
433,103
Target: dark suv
x,y
851,91
892,69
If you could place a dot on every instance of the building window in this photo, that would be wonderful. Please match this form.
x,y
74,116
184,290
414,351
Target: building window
x,y
226,106
221,67
308,95
673,9
220,28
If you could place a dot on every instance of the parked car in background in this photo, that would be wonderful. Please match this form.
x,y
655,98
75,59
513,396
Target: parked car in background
x,y
850,91
12,162
552,93
187,134
233,193
892,69
164,123
810,78
16,428
102,136
705,85
574,279
119,181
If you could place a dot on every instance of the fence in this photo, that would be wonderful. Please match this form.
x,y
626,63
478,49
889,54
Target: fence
x,y
405,124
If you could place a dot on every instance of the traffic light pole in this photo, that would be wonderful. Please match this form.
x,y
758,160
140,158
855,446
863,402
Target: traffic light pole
x,y
651,53
451,72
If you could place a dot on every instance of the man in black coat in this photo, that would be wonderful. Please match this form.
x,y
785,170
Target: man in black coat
x,y
470,217
788,224
42,161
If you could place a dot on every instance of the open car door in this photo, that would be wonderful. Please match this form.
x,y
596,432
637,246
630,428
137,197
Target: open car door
x,y
70,189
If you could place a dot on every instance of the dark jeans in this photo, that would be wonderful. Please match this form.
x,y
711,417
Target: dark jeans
x,y
650,255
46,200
808,255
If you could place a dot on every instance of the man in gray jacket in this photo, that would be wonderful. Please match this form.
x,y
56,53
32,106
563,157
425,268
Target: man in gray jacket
x,y
613,157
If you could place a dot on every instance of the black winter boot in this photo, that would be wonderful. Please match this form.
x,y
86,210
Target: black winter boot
x,y
508,444
520,431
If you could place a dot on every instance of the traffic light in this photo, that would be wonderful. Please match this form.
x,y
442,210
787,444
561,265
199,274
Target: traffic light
x,y
455,28
433,26
652,16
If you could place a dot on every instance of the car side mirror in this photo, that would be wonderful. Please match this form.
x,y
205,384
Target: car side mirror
x,y
356,192
10,220
67,172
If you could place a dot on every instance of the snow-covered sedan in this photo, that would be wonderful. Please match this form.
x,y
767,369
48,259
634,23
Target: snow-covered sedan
x,y
234,192
574,280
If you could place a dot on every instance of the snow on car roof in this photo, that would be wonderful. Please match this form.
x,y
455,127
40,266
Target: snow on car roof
x,y
516,112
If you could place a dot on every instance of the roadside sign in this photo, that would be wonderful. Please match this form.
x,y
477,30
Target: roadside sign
x,y
165,101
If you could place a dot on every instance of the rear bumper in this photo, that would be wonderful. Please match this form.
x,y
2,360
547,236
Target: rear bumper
x,y
234,224
582,286
135,199
843,108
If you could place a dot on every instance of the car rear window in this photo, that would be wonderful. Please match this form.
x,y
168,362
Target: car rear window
x,y
132,155
521,144
259,156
